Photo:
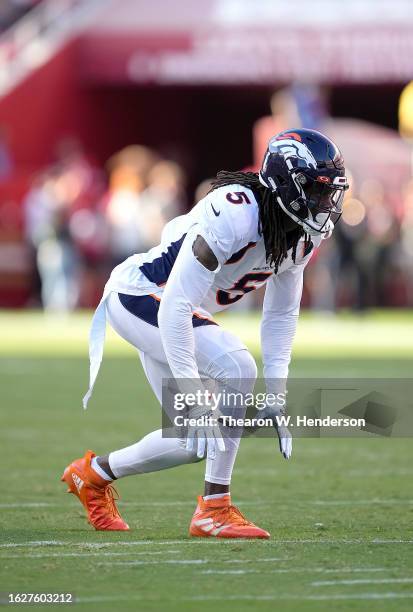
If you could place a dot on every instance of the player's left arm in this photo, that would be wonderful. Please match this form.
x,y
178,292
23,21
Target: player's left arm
x,y
281,308
279,322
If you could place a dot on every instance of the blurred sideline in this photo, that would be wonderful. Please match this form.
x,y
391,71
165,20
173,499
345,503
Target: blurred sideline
x,y
98,149
379,335
61,235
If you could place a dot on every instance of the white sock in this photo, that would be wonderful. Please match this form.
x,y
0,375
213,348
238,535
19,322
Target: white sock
x,y
151,454
95,466
237,371
215,496
219,470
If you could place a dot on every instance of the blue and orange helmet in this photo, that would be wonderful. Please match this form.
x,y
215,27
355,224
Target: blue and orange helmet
x,y
305,170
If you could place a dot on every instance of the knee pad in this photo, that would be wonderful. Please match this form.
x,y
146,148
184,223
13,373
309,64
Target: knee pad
x,y
241,364
238,366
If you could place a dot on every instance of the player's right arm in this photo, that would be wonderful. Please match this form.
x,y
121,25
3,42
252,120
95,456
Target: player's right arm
x,y
191,277
218,233
189,282
209,243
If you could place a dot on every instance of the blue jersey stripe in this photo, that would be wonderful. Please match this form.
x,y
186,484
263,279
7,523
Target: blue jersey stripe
x,y
146,307
158,270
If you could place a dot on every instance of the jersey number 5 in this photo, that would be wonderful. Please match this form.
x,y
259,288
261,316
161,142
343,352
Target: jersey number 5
x,y
238,197
243,285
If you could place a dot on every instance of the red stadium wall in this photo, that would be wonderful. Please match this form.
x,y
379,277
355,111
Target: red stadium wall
x,y
45,106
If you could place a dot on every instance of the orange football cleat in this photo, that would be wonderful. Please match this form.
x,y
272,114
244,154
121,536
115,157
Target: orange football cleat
x,y
220,519
96,494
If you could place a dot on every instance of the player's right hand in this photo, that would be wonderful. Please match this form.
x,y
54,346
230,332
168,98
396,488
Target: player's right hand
x,y
205,437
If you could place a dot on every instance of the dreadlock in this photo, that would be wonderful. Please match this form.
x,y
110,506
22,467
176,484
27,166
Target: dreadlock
x,y
271,218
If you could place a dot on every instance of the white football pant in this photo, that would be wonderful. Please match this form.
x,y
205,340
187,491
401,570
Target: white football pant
x,y
219,354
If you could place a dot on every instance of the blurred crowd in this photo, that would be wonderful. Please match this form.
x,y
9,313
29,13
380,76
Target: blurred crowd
x,y
369,260
80,221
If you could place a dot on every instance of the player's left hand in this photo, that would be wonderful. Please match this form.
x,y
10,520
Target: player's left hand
x,y
285,440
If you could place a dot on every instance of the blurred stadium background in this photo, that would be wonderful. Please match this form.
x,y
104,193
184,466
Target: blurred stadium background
x,y
114,116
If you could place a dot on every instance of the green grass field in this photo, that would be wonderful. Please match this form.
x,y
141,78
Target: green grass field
x,y
340,512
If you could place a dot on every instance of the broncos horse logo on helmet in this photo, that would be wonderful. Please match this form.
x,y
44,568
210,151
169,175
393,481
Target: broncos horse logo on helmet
x,y
305,171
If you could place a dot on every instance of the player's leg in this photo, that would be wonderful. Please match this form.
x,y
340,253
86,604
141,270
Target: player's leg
x,y
155,451
238,369
220,356
215,515
90,477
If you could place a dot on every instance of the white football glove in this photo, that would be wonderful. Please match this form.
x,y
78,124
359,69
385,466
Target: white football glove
x,y
205,437
285,440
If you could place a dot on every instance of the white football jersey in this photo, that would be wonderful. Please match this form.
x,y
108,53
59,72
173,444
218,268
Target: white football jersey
x,y
227,218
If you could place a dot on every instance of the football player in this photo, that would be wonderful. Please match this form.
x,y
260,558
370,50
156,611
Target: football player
x,y
251,229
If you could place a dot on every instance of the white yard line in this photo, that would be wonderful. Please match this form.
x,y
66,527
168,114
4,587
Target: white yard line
x,y
265,559
363,581
154,504
91,545
88,554
340,541
367,473
277,597
164,562
303,570
360,596
28,505
196,561
199,542
240,572
160,504
34,543
246,597
361,502
380,541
